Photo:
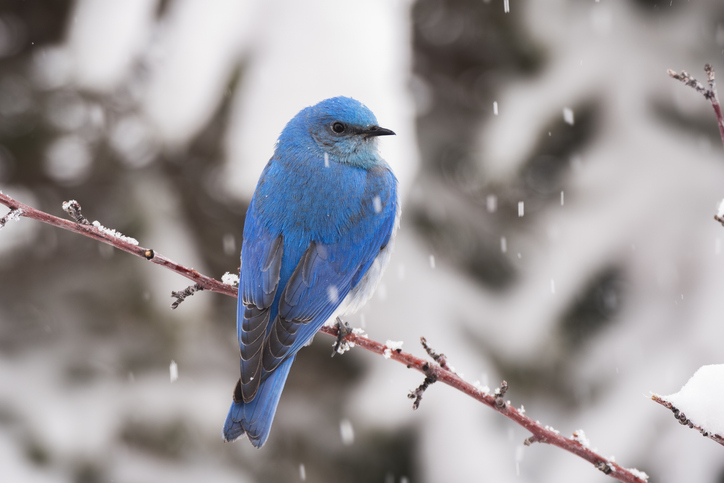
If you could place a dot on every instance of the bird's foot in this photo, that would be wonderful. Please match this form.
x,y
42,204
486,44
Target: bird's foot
x,y
341,346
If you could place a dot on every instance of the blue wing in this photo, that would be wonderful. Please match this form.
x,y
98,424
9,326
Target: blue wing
x,y
291,283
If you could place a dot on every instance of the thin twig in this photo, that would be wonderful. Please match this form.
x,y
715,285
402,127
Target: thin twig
x,y
187,292
11,215
683,420
100,235
709,93
429,380
439,372
439,358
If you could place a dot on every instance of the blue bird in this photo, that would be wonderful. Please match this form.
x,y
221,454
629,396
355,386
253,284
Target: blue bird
x,y
318,234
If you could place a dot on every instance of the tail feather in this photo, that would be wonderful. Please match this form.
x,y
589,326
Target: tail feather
x,y
255,418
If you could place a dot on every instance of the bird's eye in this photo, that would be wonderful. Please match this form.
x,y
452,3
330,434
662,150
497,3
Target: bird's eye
x,y
338,127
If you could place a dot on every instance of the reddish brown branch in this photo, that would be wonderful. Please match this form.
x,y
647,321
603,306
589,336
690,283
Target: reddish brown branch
x,y
97,233
439,371
541,434
709,93
683,420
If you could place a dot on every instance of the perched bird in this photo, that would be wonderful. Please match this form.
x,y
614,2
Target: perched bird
x,y
317,237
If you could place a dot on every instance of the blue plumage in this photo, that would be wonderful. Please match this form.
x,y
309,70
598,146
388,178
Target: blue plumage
x,y
317,237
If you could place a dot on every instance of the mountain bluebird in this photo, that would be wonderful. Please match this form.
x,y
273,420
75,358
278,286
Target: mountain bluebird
x,y
318,234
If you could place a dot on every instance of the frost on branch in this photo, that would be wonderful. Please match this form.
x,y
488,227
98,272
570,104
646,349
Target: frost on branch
x,y
72,207
699,403
392,345
114,233
13,215
230,279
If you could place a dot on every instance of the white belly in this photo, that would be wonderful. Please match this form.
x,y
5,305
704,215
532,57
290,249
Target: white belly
x,y
362,292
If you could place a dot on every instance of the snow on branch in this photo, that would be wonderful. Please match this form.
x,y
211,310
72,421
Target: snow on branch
x,y
699,403
437,370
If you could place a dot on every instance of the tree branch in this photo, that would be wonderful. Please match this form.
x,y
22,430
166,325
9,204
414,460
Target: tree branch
x,y
684,421
437,371
710,94
111,237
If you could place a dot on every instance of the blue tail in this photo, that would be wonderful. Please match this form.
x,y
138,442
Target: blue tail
x,y
255,418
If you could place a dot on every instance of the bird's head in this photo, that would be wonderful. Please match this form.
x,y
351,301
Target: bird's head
x,y
342,128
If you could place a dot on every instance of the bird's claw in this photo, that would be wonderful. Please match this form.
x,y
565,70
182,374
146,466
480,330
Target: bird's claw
x,y
343,330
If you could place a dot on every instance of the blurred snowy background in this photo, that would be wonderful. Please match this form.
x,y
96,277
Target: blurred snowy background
x,y
158,116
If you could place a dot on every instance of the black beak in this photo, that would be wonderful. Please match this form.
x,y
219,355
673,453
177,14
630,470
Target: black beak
x,y
373,131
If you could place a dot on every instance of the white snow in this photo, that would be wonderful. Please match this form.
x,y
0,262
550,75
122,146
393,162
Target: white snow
x,y
394,345
482,388
639,473
376,203
702,398
332,294
115,234
346,431
580,436
230,279
173,371
720,209
491,203
68,204
568,115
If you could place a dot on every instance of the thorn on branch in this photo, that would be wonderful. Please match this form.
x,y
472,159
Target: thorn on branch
x,y
187,292
500,395
439,358
13,215
72,207
417,393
